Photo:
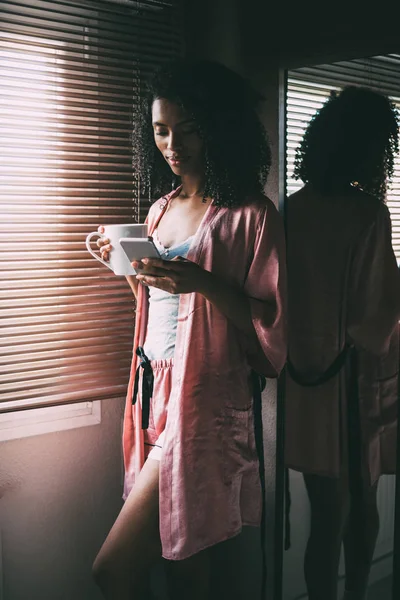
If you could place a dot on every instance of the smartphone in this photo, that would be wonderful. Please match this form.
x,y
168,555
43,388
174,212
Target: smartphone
x,y
138,248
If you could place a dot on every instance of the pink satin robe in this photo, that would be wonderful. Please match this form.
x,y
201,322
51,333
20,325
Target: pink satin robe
x,y
209,480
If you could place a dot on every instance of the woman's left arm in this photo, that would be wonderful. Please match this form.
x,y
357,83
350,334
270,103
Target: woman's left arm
x,y
258,310
231,301
182,276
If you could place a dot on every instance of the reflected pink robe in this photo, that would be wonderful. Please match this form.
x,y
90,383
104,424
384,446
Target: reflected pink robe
x,y
343,285
209,480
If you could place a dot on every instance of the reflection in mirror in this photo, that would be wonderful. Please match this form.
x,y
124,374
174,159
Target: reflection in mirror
x,y
344,290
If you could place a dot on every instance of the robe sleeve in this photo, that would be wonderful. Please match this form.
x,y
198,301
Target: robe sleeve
x,y
265,287
374,292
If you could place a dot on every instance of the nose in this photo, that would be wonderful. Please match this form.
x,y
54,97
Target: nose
x,y
174,142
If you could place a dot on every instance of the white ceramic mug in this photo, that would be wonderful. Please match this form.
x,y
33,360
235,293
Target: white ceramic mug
x,y
119,262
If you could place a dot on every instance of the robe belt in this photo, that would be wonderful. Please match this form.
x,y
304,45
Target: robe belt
x,y
147,385
330,372
259,383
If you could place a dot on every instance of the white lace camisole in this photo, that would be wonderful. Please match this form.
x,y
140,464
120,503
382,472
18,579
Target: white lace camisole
x,y
163,308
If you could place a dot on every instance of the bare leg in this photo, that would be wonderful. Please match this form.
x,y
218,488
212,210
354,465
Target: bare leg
x,y
189,578
329,500
359,540
132,547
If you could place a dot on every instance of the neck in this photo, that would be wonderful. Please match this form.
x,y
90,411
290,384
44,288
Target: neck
x,y
192,185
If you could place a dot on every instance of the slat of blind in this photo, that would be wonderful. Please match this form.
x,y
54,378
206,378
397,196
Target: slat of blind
x,y
42,320
44,377
29,343
30,285
45,296
309,88
69,340
68,204
71,73
46,313
10,364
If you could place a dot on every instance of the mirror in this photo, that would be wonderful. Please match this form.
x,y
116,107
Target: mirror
x,y
316,440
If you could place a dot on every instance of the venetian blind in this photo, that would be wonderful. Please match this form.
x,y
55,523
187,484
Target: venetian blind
x,y
309,88
71,72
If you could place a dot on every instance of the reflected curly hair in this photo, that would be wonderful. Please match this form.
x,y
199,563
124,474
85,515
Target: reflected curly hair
x,y
351,140
223,105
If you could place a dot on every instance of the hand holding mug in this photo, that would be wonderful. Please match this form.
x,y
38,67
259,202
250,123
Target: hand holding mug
x,y
103,244
112,255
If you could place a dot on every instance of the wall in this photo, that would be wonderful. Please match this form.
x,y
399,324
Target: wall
x,y
60,493
294,33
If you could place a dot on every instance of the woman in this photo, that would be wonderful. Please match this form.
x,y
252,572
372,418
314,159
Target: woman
x,y
344,306
204,320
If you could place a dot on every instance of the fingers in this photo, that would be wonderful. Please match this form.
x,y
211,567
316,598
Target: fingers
x,y
162,283
137,265
154,262
152,266
156,271
103,244
105,252
179,265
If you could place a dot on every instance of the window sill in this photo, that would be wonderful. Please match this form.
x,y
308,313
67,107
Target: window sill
x,y
38,421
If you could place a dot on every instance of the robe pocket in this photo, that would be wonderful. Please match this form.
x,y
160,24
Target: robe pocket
x,y
235,441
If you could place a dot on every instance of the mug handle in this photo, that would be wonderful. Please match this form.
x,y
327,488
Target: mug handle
x,y
96,256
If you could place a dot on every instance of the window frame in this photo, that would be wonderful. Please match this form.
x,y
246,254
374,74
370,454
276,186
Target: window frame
x,y
48,419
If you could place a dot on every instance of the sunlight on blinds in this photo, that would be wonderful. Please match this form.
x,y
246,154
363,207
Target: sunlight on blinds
x,y
71,74
393,199
30,109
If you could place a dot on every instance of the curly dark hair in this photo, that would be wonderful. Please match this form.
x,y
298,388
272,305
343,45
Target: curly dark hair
x,y
223,105
351,140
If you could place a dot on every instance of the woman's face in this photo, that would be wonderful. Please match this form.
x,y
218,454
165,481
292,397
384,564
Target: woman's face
x,y
177,138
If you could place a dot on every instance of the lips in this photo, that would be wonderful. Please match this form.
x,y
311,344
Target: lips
x,y
177,160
